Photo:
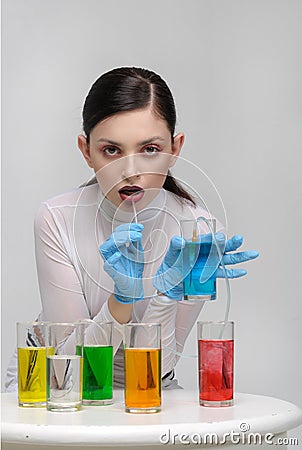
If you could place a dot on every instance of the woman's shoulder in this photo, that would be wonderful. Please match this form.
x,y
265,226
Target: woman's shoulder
x,y
84,195
62,207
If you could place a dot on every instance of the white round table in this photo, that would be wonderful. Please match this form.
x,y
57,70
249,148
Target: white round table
x,y
182,423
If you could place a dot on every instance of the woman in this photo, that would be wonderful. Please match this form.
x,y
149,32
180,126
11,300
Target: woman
x,y
110,250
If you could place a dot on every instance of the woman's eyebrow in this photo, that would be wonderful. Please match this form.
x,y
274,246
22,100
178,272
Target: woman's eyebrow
x,y
108,141
144,142
152,139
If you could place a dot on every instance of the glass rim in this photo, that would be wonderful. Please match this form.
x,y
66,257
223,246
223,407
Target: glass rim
x,y
145,324
91,321
33,322
215,322
194,220
64,323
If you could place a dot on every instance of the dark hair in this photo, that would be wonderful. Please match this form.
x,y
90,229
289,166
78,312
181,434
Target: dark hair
x,y
128,89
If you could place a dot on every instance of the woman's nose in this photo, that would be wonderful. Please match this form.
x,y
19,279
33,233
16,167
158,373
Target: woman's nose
x,y
130,166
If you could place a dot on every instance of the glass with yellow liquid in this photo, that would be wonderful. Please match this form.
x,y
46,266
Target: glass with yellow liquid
x,y
142,350
31,364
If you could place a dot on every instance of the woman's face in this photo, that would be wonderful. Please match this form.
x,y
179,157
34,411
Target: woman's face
x,y
131,153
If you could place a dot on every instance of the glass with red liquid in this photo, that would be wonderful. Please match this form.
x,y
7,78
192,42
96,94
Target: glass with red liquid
x,y
215,363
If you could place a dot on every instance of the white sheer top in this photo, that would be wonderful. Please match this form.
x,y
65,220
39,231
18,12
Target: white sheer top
x,y
73,284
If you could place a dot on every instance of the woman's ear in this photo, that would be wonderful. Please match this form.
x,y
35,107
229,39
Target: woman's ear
x,y
178,142
84,147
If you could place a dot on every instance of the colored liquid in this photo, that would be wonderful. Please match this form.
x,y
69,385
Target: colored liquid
x,y
216,369
142,378
199,270
97,373
32,375
64,382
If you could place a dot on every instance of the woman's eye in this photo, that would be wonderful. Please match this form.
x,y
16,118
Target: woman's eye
x,y
110,151
151,150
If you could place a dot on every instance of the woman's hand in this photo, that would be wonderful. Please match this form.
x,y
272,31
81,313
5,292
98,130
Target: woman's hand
x,y
123,256
234,258
169,277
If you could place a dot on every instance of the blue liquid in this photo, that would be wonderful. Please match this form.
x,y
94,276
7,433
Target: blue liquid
x,y
200,273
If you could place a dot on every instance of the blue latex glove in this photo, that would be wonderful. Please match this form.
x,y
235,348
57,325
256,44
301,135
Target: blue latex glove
x,y
235,258
123,256
169,277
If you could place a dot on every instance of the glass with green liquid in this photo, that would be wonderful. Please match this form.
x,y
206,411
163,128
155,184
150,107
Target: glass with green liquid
x,y
98,363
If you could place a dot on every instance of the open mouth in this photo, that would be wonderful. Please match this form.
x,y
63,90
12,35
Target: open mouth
x,y
131,193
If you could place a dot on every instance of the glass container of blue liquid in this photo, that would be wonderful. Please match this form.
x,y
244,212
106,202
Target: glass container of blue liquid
x,y
200,259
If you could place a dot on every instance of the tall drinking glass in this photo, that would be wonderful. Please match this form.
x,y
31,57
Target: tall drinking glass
x,y
64,366
31,364
142,350
200,260
98,363
216,363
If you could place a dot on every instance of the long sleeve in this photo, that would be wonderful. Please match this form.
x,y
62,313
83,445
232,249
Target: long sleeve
x,y
60,287
105,316
187,314
163,310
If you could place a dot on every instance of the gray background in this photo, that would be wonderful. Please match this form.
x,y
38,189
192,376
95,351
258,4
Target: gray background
x,y
235,70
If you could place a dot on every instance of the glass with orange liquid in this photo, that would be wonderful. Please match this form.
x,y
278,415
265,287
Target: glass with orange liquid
x,y
216,362
142,350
